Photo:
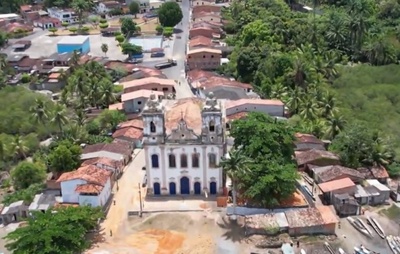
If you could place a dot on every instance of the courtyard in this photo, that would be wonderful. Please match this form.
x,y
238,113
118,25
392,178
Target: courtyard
x,y
147,42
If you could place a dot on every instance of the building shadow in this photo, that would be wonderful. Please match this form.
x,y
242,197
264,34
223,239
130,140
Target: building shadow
x,y
234,231
96,237
177,31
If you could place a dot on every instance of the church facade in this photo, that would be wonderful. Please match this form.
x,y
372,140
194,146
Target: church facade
x,y
183,142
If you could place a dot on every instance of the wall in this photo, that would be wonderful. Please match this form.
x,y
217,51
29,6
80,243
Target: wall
x,y
267,109
51,86
204,60
68,190
328,229
164,174
99,200
67,48
135,105
350,190
167,89
200,2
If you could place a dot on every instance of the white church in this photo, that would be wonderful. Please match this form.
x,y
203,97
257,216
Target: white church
x,y
183,142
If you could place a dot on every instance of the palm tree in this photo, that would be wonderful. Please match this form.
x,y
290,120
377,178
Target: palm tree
x,y
3,149
380,52
294,100
235,164
335,124
80,117
278,91
19,148
300,72
80,7
39,111
327,104
308,108
106,91
59,117
337,32
104,48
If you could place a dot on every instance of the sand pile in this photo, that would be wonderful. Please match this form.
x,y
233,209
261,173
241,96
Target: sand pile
x,y
200,245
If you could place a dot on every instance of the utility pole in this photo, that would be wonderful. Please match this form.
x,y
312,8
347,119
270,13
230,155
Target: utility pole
x,y
140,201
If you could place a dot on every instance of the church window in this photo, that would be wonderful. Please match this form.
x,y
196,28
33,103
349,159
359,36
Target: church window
x,y
152,127
184,161
154,161
195,160
212,160
172,160
211,126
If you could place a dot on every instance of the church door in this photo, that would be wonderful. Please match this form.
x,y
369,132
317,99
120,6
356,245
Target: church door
x,y
213,188
185,186
172,188
197,188
157,189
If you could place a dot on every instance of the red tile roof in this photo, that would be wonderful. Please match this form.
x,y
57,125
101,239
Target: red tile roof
x,y
307,138
119,148
308,157
219,81
336,185
25,8
200,41
90,173
128,132
89,188
201,14
379,172
104,161
195,75
206,8
136,123
237,116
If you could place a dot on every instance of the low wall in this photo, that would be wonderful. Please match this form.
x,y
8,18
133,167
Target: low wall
x,y
245,211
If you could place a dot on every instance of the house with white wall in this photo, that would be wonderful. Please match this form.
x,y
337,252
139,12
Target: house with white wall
x,y
269,107
88,185
106,7
67,16
183,142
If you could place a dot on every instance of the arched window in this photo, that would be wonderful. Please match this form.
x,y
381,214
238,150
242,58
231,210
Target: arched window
x,y
195,160
172,160
211,126
152,127
154,161
212,160
183,161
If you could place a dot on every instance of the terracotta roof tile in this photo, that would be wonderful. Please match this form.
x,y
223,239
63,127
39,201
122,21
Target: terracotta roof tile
x,y
331,172
116,106
214,81
200,41
202,14
304,217
236,103
336,185
379,172
112,147
206,8
148,81
136,123
143,93
308,157
105,161
307,138
237,116
89,188
90,173
128,132
195,75
26,7
191,110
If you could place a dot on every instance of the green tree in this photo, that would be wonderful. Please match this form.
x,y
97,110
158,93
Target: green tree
x,y
19,147
53,30
39,111
104,48
73,30
159,29
134,8
128,26
109,119
131,49
273,175
107,92
65,157
80,7
65,24
27,173
64,233
120,38
59,118
170,14
103,25
95,21
235,165
3,38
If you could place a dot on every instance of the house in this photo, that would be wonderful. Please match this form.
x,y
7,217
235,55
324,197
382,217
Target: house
x,y
183,142
22,63
257,224
47,22
206,8
57,60
380,173
10,17
269,107
21,45
131,135
345,205
70,44
341,186
204,31
311,221
56,79
336,172
151,83
88,185
114,151
204,58
315,157
68,15
307,142
136,123
382,190
207,16
42,202
133,102
201,41
134,71
14,212
114,166
215,27
106,7
203,2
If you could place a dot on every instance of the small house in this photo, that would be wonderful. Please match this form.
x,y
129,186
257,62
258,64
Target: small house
x,y
341,186
306,142
382,190
14,212
336,172
315,157
346,205
42,202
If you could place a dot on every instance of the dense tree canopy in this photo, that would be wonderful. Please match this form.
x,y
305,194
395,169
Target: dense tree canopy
x,y
170,14
60,231
27,173
269,145
65,157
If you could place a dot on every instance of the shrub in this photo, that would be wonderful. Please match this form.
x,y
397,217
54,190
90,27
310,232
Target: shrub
x,y
25,78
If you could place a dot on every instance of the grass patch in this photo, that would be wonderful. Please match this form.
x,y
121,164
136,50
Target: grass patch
x,y
392,213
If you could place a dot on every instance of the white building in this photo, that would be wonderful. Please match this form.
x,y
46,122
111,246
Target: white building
x,y
106,7
183,142
67,16
88,185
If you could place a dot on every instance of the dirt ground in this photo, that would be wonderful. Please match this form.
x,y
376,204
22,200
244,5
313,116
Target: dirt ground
x,y
174,233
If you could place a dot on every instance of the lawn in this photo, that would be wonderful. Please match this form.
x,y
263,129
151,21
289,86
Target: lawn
x,y
371,95
393,213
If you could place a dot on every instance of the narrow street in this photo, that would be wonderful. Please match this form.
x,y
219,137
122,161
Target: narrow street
x,y
126,196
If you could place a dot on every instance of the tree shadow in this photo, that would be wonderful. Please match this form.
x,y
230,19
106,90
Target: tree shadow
x,y
177,31
234,231
96,237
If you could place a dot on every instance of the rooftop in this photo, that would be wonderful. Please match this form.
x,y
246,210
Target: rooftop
x,y
112,148
9,16
128,132
13,208
241,102
78,39
307,157
206,8
16,58
103,160
200,41
307,138
304,217
379,172
378,185
116,106
43,202
111,4
216,81
189,109
329,173
90,174
194,75
136,123
201,50
262,221
237,116
89,188
146,81
336,185
143,93
327,214
227,92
